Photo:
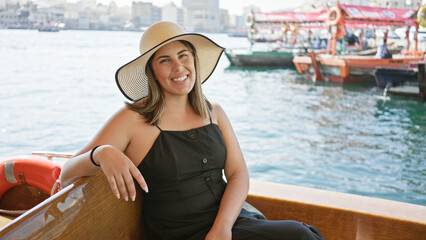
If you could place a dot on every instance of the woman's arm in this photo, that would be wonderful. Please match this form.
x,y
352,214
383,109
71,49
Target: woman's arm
x,y
237,177
113,139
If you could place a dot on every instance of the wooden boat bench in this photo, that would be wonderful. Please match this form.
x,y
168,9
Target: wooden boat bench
x,y
87,209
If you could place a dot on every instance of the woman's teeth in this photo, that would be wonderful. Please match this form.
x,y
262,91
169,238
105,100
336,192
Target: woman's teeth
x,y
179,79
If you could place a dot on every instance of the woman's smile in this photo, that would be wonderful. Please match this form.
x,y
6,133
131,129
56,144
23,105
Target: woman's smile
x,y
180,79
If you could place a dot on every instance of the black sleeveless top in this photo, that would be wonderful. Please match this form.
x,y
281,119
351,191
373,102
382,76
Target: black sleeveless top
x,y
183,171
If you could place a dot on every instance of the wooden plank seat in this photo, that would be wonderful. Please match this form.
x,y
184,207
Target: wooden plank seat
x,y
87,209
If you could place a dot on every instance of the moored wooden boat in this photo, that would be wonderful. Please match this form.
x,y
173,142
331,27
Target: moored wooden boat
x,y
343,68
349,68
87,209
246,58
281,23
360,68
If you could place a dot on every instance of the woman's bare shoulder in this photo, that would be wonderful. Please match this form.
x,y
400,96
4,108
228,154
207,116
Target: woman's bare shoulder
x,y
125,118
126,114
217,112
217,108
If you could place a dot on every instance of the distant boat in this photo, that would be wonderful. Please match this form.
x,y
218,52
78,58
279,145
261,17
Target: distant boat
x,y
237,33
356,67
247,58
276,25
49,29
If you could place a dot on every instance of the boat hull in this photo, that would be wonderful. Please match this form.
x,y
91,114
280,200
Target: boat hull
x,y
349,68
260,59
392,77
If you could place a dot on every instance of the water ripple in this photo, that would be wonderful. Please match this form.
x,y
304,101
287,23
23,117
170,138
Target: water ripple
x,y
57,90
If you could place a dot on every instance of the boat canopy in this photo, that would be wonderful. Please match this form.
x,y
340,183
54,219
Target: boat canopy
x,y
370,17
302,19
289,17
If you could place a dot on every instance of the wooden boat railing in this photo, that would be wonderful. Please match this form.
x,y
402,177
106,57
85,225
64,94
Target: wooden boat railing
x,y
87,209
340,215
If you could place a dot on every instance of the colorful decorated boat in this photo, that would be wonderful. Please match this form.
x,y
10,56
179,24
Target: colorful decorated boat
x,y
343,68
280,27
87,209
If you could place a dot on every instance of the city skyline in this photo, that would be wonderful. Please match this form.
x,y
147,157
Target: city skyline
x,y
103,15
234,7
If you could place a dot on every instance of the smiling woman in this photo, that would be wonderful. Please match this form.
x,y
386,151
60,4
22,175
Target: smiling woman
x,y
176,143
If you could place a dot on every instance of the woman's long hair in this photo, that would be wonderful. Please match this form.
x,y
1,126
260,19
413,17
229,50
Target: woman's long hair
x,y
151,107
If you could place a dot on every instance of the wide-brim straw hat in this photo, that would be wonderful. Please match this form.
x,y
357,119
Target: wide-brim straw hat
x,y
131,77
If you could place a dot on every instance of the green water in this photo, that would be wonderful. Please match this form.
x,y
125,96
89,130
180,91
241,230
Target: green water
x,y
58,89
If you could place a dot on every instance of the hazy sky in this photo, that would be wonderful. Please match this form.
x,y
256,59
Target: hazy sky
x,y
234,6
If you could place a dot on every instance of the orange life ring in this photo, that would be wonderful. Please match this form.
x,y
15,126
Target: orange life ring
x,y
334,16
37,171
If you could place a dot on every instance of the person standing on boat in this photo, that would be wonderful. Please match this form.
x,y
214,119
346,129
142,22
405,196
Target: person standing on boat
x,y
175,142
382,50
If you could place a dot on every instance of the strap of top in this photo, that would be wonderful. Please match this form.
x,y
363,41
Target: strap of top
x,y
211,120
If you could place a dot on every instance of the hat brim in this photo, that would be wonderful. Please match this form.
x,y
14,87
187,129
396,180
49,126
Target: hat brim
x,y
131,77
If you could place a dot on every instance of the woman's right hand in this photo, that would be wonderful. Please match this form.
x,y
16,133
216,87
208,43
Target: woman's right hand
x,y
120,171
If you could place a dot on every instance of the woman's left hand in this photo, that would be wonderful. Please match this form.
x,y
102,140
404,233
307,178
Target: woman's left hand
x,y
219,234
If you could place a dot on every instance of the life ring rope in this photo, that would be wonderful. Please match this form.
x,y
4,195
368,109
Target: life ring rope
x,y
55,187
13,212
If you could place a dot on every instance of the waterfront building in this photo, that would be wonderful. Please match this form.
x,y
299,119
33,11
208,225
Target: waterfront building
x,y
144,14
225,20
2,4
194,16
45,16
83,20
9,18
16,15
172,13
201,16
